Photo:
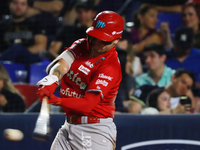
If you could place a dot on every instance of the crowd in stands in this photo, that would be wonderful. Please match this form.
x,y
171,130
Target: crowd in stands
x,y
160,61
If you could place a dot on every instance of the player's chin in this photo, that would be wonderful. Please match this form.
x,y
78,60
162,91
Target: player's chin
x,y
97,50
102,51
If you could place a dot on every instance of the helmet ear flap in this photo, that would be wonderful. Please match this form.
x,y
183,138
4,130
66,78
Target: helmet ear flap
x,y
89,38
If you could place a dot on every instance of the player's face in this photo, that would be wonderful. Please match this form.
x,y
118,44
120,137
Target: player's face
x,y
164,101
18,8
190,17
149,20
99,46
153,60
182,84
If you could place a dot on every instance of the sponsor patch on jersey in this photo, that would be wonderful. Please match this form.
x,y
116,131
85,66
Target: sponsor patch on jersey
x,y
89,64
103,82
70,93
102,75
84,69
74,78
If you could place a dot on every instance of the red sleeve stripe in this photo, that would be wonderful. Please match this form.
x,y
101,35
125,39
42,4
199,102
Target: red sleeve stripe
x,y
96,91
72,52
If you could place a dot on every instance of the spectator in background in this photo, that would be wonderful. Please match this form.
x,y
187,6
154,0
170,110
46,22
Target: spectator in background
x,y
138,98
158,101
49,6
183,55
181,84
10,98
66,35
21,40
184,106
158,73
133,65
127,85
191,18
48,13
144,31
161,5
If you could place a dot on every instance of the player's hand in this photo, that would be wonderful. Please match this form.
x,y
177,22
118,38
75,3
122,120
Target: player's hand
x,y
54,100
47,86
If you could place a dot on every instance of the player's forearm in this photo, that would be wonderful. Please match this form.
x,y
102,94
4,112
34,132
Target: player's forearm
x,y
60,68
61,64
52,6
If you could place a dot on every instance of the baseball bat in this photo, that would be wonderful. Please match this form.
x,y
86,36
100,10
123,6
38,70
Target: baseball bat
x,y
42,127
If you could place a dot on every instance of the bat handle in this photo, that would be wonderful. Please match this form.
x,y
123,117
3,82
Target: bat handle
x,y
45,106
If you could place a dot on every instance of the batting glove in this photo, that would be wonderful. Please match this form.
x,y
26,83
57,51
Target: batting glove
x,y
54,100
47,86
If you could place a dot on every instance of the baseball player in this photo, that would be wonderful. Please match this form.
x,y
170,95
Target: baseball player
x,y
90,75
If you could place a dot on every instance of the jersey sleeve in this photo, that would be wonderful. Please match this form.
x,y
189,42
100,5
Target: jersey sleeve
x,y
107,77
77,46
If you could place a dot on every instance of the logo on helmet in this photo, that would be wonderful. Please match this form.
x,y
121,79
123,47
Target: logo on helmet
x,y
114,32
100,24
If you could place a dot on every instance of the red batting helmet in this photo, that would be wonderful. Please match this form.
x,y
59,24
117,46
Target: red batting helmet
x,y
107,26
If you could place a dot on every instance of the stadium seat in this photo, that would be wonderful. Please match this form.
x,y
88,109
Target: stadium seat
x,y
37,72
29,92
174,20
11,68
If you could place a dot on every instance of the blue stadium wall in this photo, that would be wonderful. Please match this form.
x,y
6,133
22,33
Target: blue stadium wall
x,y
135,132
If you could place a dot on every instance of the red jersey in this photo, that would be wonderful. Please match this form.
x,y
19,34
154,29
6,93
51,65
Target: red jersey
x,y
100,74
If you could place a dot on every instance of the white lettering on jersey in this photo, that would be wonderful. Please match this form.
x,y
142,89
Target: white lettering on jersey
x,y
89,64
101,75
103,82
67,92
84,69
73,77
